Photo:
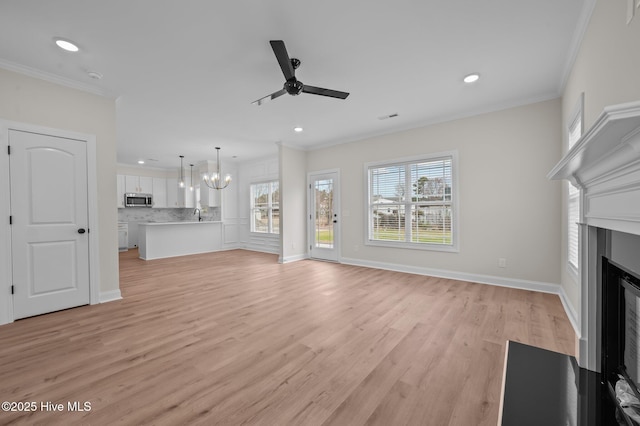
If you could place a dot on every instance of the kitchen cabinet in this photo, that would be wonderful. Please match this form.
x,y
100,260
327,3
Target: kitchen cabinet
x,y
160,193
172,192
189,195
120,191
139,184
123,237
209,197
169,239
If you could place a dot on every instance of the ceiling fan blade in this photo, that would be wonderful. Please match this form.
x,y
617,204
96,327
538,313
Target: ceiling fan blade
x,y
283,58
269,97
324,92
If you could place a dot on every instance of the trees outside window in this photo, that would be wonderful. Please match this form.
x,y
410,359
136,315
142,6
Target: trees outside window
x,y
265,207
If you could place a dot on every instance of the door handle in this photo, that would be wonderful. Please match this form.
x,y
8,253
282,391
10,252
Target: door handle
x,y
81,231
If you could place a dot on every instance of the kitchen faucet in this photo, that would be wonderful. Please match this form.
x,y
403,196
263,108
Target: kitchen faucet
x,y
198,211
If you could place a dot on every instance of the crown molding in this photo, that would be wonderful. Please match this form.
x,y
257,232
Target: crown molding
x,y
55,79
576,42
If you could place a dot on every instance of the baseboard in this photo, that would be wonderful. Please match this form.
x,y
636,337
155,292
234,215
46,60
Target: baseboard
x,y
570,311
265,249
462,276
290,259
110,296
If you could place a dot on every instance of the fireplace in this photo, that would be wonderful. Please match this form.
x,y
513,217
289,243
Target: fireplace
x,y
605,165
620,337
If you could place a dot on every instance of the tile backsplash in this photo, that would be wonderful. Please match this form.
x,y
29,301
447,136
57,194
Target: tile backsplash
x,y
143,214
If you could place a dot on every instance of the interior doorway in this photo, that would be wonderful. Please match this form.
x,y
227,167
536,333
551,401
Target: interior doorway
x,y
49,248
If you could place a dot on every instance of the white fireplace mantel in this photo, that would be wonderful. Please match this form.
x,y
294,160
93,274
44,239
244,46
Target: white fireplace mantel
x,y
605,165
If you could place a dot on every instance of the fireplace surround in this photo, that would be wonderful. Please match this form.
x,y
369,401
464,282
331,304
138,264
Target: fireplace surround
x,y
605,165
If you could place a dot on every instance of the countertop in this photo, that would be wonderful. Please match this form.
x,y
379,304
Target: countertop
x,y
191,222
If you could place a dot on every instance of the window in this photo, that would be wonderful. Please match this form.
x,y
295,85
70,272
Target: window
x,y
574,132
265,207
411,203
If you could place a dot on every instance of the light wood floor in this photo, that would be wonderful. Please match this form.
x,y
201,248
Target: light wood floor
x,y
234,338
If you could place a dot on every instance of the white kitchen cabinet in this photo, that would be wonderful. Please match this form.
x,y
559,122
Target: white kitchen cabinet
x,y
146,185
123,236
189,195
160,192
138,184
209,197
120,190
160,240
172,192
131,183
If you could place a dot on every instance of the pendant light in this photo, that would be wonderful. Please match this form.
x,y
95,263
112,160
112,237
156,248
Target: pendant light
x,y
191,181
181,181
216,181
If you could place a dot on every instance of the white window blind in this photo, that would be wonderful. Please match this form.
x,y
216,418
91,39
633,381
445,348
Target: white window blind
x,y
573,201
411,202
572,226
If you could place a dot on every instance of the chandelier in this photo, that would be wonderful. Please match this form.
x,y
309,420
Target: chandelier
x,y
215,181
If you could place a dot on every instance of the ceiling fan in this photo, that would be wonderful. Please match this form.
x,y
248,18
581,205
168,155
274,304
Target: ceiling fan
x,y
292,85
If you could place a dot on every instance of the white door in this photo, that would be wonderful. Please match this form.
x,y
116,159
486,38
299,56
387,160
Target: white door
x,y
324,223
49,212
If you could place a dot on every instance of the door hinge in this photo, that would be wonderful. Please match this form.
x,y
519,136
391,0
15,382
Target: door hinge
x,y
9,149
10,220
12,289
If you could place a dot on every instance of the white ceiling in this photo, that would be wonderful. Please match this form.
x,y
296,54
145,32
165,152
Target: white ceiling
x,y
185,72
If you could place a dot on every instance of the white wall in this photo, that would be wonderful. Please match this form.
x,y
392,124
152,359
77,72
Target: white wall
x,y
508,208
231,216
606,70
293,199
33,101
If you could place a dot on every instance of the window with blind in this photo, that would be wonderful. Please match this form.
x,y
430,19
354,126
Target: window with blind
x,y
265,207
573,198
411,203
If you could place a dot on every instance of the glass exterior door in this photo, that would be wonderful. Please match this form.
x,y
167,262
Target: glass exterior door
x,y
324,225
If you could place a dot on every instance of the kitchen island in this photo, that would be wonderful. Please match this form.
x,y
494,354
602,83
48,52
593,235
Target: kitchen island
x,y
157,240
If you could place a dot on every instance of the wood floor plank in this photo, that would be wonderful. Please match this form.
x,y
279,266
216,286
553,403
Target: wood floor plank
x,y
234,338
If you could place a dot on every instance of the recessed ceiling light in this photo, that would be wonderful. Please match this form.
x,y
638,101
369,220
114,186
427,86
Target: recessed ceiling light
x,y
298,129
140,161
67,45
471,78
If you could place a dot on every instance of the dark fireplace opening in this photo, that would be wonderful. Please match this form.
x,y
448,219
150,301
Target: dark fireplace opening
x,y
621,341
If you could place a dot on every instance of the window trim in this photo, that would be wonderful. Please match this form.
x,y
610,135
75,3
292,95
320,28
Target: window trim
x,y
576,118
454,247
269,207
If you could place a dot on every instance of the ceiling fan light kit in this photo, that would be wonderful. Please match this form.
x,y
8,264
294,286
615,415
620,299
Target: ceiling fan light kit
x,y
292,85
